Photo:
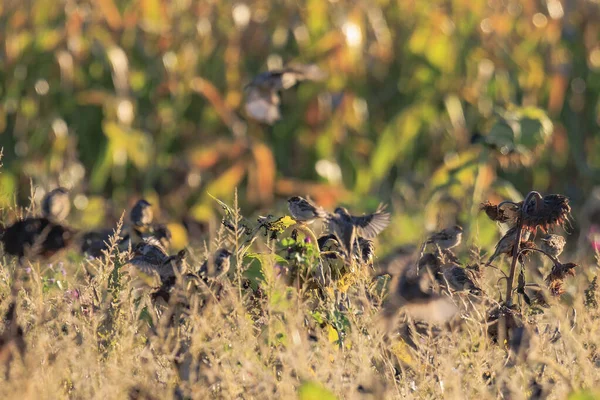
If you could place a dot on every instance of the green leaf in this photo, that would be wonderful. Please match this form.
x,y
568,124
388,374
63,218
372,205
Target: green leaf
x,y
314,391
521,129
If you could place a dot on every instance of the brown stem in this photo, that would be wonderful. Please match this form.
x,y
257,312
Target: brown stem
x,y
516,248
550,256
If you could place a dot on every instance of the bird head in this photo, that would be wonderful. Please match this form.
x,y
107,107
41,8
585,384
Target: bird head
x,y
143,203
223,253
341,211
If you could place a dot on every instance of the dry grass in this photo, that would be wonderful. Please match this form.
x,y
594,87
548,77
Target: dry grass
x,y
108,339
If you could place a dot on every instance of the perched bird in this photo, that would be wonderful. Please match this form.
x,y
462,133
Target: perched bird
x,y
346,227
507,243
56,205
460,279
262,99
219,267
304,211
506,213
35,238
141,215
553,244
364,250
150,258
447,238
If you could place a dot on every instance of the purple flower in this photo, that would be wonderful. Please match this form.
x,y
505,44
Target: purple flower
x,y
307,240
72,294
28,270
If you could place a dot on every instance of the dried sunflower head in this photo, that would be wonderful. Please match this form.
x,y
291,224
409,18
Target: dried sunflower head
x,y
556,277
546,212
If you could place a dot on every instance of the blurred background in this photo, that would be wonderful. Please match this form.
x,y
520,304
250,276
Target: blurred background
x,y
431,106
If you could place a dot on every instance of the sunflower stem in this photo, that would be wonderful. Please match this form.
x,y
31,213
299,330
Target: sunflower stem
x,y
550,256
516,249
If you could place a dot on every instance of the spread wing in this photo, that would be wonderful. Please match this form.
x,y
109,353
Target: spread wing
x,y
371,225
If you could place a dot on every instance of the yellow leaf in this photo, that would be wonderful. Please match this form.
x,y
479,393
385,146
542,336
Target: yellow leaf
x,y
332,334
402,352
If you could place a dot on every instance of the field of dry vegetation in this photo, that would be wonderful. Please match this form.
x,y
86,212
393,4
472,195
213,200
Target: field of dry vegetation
x,y
84,327
174,133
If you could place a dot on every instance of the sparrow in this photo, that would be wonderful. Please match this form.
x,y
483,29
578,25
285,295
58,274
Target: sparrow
x,y
304,211
447,238
150,258
346,227
141,215
460,279
220,265
553,244
507,243
364,250
262,99
507,213
56,205
35,238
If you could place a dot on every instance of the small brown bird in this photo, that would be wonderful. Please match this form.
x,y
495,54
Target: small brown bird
x,y
220,265
364,250
507,243
141,215
150,258
460,279
346,227
447,238
56,205
304,211
262,99
507,213
553,244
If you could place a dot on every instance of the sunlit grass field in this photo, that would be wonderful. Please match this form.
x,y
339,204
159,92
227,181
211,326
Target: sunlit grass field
x,y
447,112
93,330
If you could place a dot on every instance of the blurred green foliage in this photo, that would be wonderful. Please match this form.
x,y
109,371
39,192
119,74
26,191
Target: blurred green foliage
x,y
120,99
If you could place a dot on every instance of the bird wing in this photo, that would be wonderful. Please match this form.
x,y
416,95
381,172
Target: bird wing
x,y
371,225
